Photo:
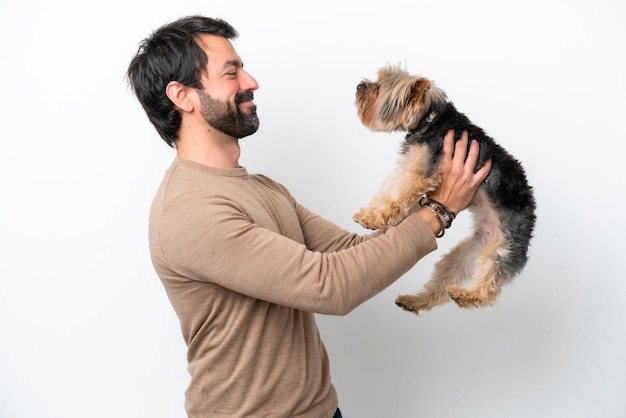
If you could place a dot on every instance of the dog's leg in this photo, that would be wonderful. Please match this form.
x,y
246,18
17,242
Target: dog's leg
x,y
454,268
401,191
484,287
474,260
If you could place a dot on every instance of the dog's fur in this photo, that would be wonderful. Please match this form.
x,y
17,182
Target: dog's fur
x,y
503,207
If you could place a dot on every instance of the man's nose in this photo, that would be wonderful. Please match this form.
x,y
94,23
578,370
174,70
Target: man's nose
x,y
248,82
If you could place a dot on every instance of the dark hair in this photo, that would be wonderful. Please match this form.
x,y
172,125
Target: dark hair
x,y
171,53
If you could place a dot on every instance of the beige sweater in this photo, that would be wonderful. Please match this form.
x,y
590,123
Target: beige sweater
x,y
245,268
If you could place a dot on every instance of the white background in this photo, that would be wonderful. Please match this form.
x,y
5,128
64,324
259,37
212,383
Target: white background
x,y
85,327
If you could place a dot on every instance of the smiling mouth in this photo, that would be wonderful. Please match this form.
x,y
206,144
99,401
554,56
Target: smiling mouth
x,y
247,106
245,97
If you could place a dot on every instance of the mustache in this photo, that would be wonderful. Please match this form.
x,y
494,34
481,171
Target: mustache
x,y
244,97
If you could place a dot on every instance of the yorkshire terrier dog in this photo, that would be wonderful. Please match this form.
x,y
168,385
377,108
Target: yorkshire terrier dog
x,y
503,208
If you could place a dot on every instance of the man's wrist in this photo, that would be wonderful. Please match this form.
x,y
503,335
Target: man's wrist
x,y
433,220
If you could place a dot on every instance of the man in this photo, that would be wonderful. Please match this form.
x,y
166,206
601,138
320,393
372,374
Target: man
x,y
244,265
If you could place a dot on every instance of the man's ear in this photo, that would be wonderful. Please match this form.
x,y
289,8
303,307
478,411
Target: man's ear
x,y
178,94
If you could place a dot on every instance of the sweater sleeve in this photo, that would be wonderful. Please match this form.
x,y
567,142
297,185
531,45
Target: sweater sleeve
x,y
227,249
319,234
324,236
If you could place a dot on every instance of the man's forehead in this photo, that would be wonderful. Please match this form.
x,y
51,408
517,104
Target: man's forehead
x,y
220,48
215,43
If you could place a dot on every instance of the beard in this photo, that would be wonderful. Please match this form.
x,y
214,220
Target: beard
x,y
228,118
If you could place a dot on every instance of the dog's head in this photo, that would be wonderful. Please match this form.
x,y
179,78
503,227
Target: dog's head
x,y
397,101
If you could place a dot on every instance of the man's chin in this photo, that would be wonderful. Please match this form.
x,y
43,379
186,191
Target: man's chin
x,y
247,108
248,130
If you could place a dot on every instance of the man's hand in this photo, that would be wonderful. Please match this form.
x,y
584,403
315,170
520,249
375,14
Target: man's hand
x,y
458,180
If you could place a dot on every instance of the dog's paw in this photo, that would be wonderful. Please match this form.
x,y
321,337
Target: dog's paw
x,y
403,306
467,299
369,219
456,294
380,217
412,303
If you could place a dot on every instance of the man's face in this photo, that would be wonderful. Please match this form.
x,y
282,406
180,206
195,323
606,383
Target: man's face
x,y
227,98
228,117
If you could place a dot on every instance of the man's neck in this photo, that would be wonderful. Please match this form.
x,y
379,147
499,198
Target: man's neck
x,y
221,152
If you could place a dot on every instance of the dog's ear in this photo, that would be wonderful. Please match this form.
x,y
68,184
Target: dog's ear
x,y
416,103
418,91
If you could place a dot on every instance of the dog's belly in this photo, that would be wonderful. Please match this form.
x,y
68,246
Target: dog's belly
x,y
488,226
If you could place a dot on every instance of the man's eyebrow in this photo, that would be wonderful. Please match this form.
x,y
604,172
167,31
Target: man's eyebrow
x,y
233,63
